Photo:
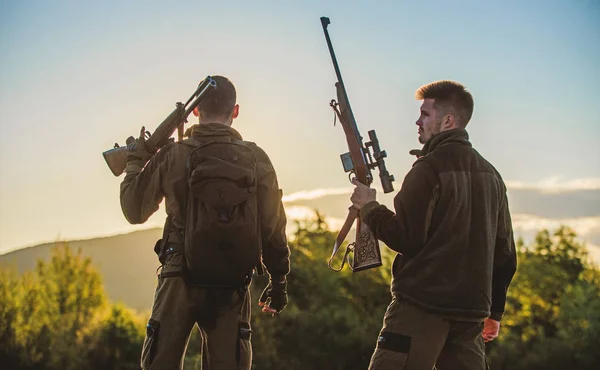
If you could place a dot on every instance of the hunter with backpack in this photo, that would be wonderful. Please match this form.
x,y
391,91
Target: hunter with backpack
x,y
225,222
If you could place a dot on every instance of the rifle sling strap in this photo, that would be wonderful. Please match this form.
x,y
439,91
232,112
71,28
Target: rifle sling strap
x,y
352,215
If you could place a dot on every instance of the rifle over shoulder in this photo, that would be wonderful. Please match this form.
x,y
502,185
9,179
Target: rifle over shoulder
x,y
116,158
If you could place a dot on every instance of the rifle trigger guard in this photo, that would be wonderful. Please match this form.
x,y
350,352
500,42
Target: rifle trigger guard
x,y
350,248
350,175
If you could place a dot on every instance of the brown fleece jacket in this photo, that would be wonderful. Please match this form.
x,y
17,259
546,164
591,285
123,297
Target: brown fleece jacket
x,y
452,230
165,176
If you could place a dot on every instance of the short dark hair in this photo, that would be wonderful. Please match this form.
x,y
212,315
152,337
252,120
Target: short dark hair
x,y
449,97
218,102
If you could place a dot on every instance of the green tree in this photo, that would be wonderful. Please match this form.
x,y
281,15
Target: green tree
x,y
333,318
579,320
72,292
552,291
10,350
116,341
47,313
33,323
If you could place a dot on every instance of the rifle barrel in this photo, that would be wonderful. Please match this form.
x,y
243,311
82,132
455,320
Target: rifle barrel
x,y
324,22
207,83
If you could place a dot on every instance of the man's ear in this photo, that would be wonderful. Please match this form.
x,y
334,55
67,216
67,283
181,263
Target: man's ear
x,y
448,122
196,112
236,111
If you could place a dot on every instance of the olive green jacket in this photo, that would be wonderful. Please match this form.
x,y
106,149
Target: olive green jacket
x,y
165,177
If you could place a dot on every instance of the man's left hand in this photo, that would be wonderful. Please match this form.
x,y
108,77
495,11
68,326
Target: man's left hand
x,y
362,194
491,328
274,297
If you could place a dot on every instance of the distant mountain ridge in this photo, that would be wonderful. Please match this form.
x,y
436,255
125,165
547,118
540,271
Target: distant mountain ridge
x,y
127,263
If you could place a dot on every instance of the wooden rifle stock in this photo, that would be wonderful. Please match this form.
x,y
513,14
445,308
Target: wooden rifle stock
x,y
357,161
116,158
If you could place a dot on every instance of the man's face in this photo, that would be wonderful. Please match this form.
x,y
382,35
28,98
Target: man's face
x,y
428,122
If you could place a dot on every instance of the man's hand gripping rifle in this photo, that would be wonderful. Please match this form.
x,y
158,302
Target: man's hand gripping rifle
x,y
116,158
358,162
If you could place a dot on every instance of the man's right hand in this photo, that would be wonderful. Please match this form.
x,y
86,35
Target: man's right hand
x,y
274,297
137,149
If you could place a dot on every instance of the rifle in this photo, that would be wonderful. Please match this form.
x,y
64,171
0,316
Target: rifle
x,y
358,161
116,158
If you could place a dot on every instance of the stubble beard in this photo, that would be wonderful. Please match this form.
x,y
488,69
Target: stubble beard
x,y
437,128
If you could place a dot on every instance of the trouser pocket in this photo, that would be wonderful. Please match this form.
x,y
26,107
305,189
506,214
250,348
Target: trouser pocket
x,y
245,332
391,352
150,343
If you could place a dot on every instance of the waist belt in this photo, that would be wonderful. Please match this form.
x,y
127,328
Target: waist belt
x,y
170,243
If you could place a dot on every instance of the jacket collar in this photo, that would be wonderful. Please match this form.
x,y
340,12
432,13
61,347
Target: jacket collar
x,y
215,129
457,136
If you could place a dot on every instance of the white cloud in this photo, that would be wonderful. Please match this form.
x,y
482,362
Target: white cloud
x,y
294,213
557,185
525,225
594,252
522,223
586,228
323,192
301,213
549,185
316,193
583,226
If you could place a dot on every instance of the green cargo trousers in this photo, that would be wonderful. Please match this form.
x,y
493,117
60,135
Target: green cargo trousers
x,y
413,339
222,316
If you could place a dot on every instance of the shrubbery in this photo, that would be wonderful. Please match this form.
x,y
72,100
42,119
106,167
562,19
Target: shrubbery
x,y
58,316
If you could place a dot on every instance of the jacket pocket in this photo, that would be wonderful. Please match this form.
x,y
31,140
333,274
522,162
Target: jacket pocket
x,y
150,343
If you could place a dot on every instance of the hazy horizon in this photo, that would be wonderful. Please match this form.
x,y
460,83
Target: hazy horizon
x,y
302,205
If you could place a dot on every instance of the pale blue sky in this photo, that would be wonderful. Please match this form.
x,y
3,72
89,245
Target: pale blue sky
x,y
76,76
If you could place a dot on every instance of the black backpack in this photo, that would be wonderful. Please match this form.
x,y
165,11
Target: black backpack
x,y
222,241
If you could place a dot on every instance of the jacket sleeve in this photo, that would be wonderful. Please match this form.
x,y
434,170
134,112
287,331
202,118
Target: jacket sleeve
x,y
275,250
405,231
505,261
141,189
